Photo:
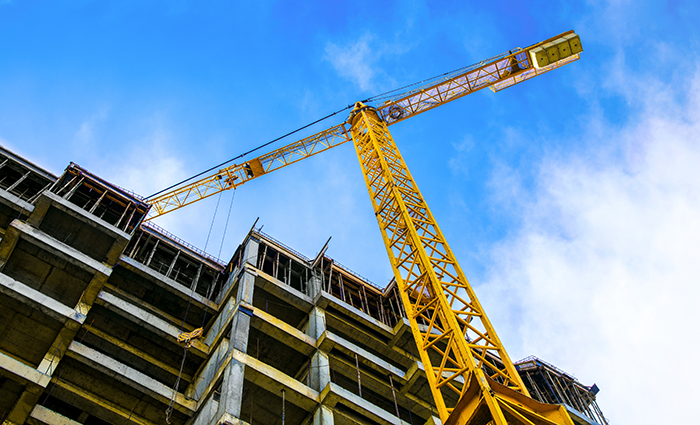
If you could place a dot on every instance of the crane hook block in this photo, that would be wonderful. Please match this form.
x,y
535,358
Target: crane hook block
x,y
186,338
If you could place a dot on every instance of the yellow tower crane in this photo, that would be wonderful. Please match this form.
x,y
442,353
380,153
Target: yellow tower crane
x,y
472,379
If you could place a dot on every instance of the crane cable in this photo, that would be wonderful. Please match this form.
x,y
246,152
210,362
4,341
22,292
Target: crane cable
x,y
376,98
186,338
250,151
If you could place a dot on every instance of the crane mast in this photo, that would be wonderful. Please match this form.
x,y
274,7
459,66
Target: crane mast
x,y
472,379
458,346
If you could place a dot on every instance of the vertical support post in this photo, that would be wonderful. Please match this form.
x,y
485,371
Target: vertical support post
x,y
393,393
128,222
70,193
277,266
197,276
131,253
283,406
121,217
172,263
359,380
20,180
153,251
97,203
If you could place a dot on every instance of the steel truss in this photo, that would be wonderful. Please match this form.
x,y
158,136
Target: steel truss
x,y
457,344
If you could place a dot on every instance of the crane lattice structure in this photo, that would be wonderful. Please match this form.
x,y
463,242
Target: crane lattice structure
x,y
472,379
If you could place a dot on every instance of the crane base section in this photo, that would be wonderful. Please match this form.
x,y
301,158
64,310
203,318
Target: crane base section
x,y
502,405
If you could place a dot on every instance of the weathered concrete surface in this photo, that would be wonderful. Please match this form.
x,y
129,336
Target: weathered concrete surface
x,y
323,416
220,326
58,248
317,322
210,373
274,381
250,252
49,199
15,202
44,303
20,372
283,332
148,320
130,376
228,419
232,389
320,371
41,414
206,412
240,329
246,286
166,283
334,394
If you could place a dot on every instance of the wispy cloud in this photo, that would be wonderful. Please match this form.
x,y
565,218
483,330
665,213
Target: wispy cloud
x,y
360,61
85,135
458,163
354,61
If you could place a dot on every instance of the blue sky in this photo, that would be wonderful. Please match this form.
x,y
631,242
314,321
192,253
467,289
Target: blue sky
x,y
571,200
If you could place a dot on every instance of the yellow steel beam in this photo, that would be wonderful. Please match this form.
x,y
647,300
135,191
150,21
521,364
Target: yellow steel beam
x,y
497,73
457,342
237,174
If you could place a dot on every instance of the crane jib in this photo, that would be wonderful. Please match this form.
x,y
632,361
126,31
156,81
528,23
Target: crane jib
x,y
499,72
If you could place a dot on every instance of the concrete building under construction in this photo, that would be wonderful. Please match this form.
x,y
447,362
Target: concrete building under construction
x,y
99,311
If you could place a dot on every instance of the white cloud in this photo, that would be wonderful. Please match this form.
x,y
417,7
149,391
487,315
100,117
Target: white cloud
x,y
84,139
603,277
360,61
354,61
459,163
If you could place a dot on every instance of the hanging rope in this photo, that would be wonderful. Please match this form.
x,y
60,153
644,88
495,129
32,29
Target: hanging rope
x,y
223,237
186,338
169,410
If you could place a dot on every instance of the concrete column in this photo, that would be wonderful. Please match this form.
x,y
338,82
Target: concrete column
x,y
234,376
320,366
232,390
315,285
240,328
250,252
23,407
246,286
317,323
320,371
323,416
